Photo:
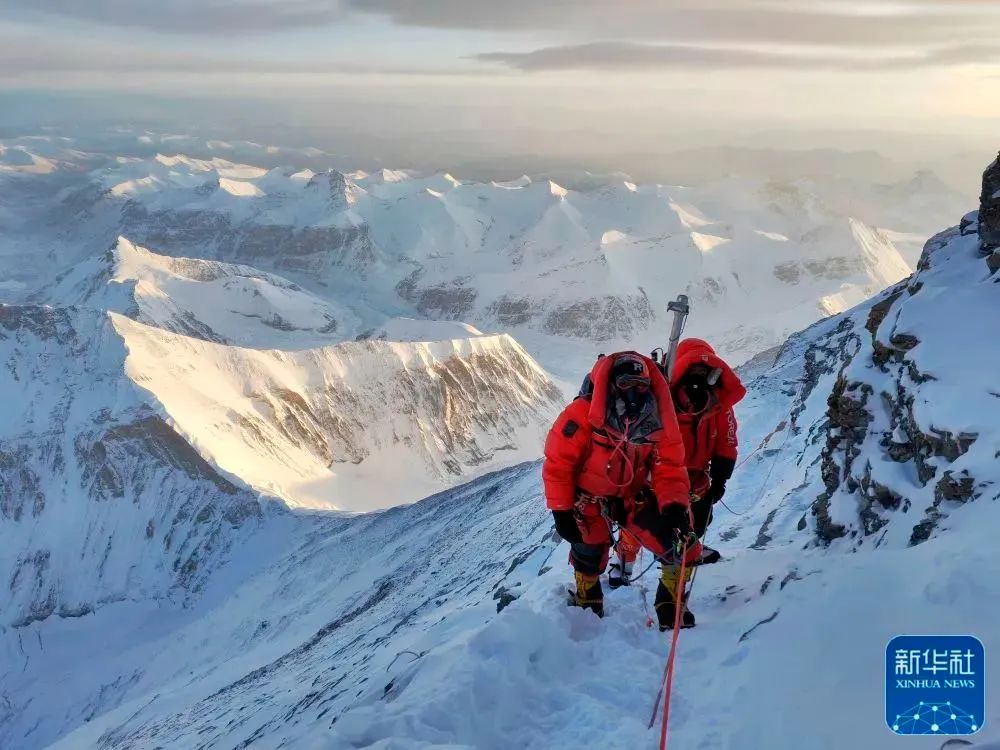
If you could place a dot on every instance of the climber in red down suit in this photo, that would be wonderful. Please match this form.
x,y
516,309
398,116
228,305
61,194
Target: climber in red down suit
x,y
616,456
705,389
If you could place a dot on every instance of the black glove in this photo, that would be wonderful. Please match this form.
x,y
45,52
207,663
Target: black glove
x,y
715,492
567,527
719,472
615,508
675,520
665,524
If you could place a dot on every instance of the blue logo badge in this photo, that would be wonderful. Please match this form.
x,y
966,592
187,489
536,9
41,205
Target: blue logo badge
x,y
935,684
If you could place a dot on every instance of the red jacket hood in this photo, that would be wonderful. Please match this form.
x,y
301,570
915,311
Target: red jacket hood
x,y
601,374
695,351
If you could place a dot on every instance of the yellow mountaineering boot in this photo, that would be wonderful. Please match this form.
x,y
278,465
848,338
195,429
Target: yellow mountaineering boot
x,y
664,603
588,594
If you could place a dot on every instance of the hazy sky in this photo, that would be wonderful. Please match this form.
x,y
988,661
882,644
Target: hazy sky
x,y
618,67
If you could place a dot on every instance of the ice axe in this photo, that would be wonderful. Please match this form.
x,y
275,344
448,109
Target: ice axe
x,y
680,308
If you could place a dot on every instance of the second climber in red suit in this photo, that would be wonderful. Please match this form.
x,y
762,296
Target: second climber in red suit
x,y
705,389
616,456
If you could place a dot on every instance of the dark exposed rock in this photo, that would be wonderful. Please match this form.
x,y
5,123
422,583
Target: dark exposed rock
x,y
923,530
895,351
847,406
879,310
789,272
820,359
602,318
903,341
954,488
969,224
933,245
514,311
826,529
303,249
452,301
989,209
763,535
765,621
504,597
950,488
875,496
792,575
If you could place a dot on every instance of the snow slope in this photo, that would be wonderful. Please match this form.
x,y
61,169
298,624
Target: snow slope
x,y
411,329
221,302
442,624
101,501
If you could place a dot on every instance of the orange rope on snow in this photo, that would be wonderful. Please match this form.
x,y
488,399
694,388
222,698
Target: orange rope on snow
x,y
667,684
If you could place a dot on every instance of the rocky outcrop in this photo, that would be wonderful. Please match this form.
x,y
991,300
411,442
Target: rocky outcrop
x,y
891,402
602,318
310,249
989,210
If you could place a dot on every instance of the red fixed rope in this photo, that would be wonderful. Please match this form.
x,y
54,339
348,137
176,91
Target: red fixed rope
x,y
668,672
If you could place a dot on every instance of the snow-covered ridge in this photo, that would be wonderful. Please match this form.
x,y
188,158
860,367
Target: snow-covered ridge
x,y
533,258
355,426
221,302
410,329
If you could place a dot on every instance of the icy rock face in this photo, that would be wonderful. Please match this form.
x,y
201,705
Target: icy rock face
x,y
316,250
339,191
989,214
892,411
895,442
100,499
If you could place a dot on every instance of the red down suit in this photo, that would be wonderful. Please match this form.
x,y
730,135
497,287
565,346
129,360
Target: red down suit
x,y
591,454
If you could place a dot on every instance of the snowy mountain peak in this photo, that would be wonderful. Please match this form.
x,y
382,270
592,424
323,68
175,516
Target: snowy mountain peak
x,y
175,564
221,302
340,191
526,256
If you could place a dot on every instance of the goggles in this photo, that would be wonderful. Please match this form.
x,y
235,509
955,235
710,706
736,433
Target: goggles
x,y
630,382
